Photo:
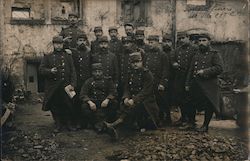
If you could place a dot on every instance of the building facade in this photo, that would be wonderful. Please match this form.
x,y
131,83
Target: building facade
x,y
27,26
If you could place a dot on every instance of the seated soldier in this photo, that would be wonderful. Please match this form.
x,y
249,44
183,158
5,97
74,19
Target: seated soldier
x,y
98,95
138,99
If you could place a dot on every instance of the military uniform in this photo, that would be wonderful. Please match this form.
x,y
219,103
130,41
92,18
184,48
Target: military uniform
x,y
156,61
204,89
97,90
139,87
140,44
95,43
115,45
108,61
56,100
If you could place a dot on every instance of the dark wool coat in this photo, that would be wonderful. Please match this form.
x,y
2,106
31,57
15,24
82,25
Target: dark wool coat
x,y
66,74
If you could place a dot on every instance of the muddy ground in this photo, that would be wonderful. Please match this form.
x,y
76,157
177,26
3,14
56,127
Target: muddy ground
x,y
32,138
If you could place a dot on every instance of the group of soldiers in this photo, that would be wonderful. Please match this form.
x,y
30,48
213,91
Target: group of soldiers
x,y
129,82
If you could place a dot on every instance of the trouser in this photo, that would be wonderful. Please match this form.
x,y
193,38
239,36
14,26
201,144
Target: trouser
x,y
164,106
96,118
61,107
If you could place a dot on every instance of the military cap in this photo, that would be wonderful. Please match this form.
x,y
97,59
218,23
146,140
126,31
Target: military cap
x,y
96,66
73,14
181,34
82,35
57,39
139,32
103,39
135,57
128,24
112,28
166,36
127,38
204,35
97,28
153,37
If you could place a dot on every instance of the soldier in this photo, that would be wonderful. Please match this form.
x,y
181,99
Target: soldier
x,y
70,33
115,45
59,72
129,29
138,99
81,57
107,59
95,44
202,80
139,39
180,62
156,61
98,95
123,61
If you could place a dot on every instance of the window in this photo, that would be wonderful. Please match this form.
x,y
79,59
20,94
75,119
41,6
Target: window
x,y
200,5
135,11
20,13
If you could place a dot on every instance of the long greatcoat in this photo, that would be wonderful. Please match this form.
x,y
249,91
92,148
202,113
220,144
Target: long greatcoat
x,y
140,88
66,74
211,62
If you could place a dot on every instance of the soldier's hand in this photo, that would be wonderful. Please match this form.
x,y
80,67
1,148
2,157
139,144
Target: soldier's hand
x,y
105,103
54,70
126,101
161,87
131,102
92,105
187,88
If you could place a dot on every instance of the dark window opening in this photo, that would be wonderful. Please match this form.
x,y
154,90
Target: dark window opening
x,y
31,79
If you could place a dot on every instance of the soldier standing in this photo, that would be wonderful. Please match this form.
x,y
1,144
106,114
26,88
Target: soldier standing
x,y
81,57
129,30
107,59
98,95
71,32
138,99
202,80
139,39
115,45
59,72
95,44
156,61
180,62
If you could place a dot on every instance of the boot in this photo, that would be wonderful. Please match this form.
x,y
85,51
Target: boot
x,y
117,122
188,126
202,129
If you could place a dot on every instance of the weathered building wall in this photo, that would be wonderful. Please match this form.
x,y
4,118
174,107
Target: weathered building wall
x,y
225,19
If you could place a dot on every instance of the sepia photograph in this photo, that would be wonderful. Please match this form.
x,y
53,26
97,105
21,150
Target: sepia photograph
x,y
125,80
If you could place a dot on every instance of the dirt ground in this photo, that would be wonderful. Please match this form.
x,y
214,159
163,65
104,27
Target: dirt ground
x,y
32,138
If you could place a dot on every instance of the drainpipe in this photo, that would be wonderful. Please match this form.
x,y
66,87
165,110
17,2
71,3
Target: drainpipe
x,y
173,4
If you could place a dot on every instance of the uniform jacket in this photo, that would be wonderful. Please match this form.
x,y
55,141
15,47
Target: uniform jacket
x,y
211,63
82,63
157,62
109,64
98,90
94,46
115,46
139,87
66,74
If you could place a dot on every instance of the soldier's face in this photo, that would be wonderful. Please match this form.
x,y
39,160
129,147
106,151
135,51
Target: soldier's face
x,y
58,46
137,64
183,39
113,33
153,44
203,42
127,45
98,33
129,30
81,42
97,74
73,19
139,38
104,45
